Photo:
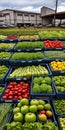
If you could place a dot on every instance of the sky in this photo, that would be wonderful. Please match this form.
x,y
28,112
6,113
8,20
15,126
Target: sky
x,y
31,5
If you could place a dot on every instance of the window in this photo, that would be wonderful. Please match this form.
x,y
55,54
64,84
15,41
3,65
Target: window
x,y
5,14
32,15
26,15
19,14
1,20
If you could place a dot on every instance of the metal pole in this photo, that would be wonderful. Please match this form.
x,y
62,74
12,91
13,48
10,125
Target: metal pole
x,y
56,4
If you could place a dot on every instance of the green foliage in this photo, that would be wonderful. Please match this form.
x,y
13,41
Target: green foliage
x,y
42,85
25,45
52,34
50,126
32,126
4,113
27,56
54,54
60,106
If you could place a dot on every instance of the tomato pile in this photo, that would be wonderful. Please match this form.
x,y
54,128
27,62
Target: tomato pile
x,y
17,90
53,44
13,37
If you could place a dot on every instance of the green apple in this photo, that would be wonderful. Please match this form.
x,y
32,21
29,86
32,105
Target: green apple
x,y
24,109
33,108
47,106
40,107
49,114
18,116
16,110
13,124
24,101
42,117
34,102
30,117
19,105
41,102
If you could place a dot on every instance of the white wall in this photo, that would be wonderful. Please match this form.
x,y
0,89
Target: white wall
x,y
12,17
46,11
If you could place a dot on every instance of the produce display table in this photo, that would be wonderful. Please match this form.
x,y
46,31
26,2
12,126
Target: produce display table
x,y
32,83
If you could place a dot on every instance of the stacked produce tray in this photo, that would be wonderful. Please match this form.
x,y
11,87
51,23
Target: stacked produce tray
x,y
31,74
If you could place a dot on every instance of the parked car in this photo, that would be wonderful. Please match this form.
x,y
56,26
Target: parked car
x,y
6,26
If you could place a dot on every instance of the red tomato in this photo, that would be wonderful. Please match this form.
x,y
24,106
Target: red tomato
x,y
15,97
7,90
12,89
4,97
19,94
19,97
25,96
10,86
16,88
19,91
10,97
15,92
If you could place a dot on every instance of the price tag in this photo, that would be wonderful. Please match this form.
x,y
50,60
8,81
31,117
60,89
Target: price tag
x,y
3,40
19,50
6,50
57,59
18,79
27,50
23,61
25,78
30,61
8,101
37,49
64,51
62,71
11,40
58,48
39,60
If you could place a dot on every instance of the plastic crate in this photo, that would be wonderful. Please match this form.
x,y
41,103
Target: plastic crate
x,y
8,114
57,72
58,120
12,37
15,100
28,49
8,50
2,80
53,38
13,68
58,94
3,86
53,106
21,62
42,95
5,61
53,59
53,49
32,40
37,120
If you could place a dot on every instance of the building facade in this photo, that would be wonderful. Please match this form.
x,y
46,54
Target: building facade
x,y
16,17
44,12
